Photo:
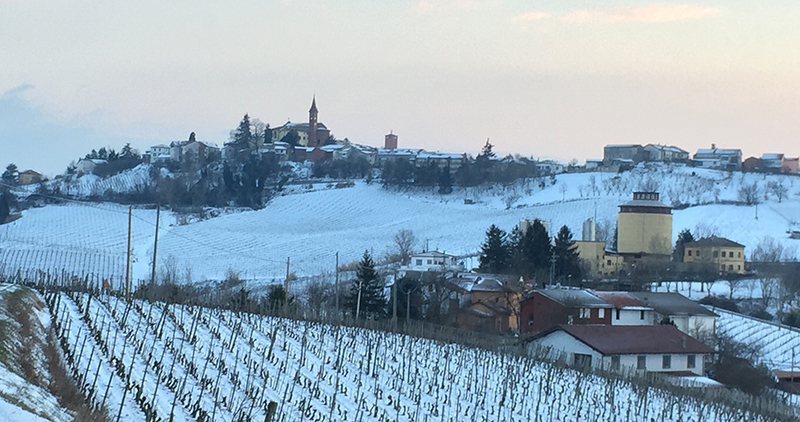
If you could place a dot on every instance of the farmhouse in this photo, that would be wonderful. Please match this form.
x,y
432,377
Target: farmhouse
x,y
433,261
719,159
544,309
723,254
657,348
29,177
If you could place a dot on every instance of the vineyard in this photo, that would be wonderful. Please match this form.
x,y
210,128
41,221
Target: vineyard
x,y
146,361
778,345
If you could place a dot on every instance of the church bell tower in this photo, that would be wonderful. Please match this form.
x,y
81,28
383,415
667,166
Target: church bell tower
x,y
312,124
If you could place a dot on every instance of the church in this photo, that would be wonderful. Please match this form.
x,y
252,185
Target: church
x,y
311,134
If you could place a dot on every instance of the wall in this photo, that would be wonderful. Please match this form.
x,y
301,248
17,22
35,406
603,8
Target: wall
x,y
643,232
632,317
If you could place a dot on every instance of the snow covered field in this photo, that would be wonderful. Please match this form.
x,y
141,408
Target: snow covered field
x,y
310,227
203,364
778,345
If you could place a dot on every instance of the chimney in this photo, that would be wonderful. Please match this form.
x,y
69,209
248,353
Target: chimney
x,y
683,342
713,146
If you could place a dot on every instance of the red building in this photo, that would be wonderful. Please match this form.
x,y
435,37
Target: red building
x,y
544,309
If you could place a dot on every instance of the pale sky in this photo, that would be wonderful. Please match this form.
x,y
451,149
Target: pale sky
x,y
556,79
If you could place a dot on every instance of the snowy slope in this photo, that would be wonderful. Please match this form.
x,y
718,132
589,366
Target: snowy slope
x,y
778,345
310,227
197,363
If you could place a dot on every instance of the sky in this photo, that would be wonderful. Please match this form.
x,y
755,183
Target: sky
x,y
550,79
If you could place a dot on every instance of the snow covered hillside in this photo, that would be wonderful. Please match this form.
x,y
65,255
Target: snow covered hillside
x,y
311,226
143,360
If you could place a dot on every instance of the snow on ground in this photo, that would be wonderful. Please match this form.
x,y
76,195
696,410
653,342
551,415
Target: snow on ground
x,y
778,345
310,225
12,413
203,363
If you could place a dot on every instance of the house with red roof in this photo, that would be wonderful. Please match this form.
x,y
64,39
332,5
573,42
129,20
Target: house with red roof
x,y
654,348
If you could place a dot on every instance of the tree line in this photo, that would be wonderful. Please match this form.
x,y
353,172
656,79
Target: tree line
x,y
531,253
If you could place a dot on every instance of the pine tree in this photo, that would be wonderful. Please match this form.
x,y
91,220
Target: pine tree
x,y
684,237
531,250
242,137
567,259
10,176
366,299
495,251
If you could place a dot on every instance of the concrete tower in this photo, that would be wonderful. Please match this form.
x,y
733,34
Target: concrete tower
x,y
644,227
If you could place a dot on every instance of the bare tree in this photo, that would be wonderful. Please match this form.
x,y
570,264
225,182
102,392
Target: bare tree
x,y
750,194
777,189
316,294
510,200
405,241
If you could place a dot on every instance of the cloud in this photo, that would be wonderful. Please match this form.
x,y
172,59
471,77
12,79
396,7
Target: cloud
x,y
16,91
529,17
648,14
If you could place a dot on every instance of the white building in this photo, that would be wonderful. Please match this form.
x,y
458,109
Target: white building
x,y
658,348
86,165
719,159
650,308
433,261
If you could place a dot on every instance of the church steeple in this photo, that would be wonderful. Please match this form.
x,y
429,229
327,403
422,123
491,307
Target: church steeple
x,y
312,123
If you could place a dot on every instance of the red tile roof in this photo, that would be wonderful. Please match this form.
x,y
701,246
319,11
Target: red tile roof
x,y
635,340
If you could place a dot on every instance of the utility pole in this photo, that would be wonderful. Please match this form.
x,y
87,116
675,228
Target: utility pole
x,y
128,261
358,301
553,260
286,289
394,299
336,285
155,246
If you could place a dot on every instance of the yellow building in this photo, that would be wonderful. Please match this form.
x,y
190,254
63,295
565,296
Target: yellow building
x,y
644,227
722,253
600,262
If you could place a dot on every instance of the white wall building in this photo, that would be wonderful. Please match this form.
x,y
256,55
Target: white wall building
x,y
659,348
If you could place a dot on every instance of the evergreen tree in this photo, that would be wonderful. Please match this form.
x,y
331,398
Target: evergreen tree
x,y
495,252
366,299
445,181
532,250
5,206
567,259
684,237
615,239
242,137
11,175
192,137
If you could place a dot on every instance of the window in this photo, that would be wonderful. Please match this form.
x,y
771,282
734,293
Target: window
x,y
722,267
429,262
740,255
609,262
641,362
585,313
689,252
666,362
601,313
739,268
582,361
419,262
723,254
569,319
617,313
615,362
641,314
690,361
730,267
716,254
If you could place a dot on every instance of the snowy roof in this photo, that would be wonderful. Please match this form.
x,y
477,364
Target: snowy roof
x,y
719,151
159,146
433,254
671,304
209,144
669,148
574,298
399,152
331,148
623,146
621,300
439,156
